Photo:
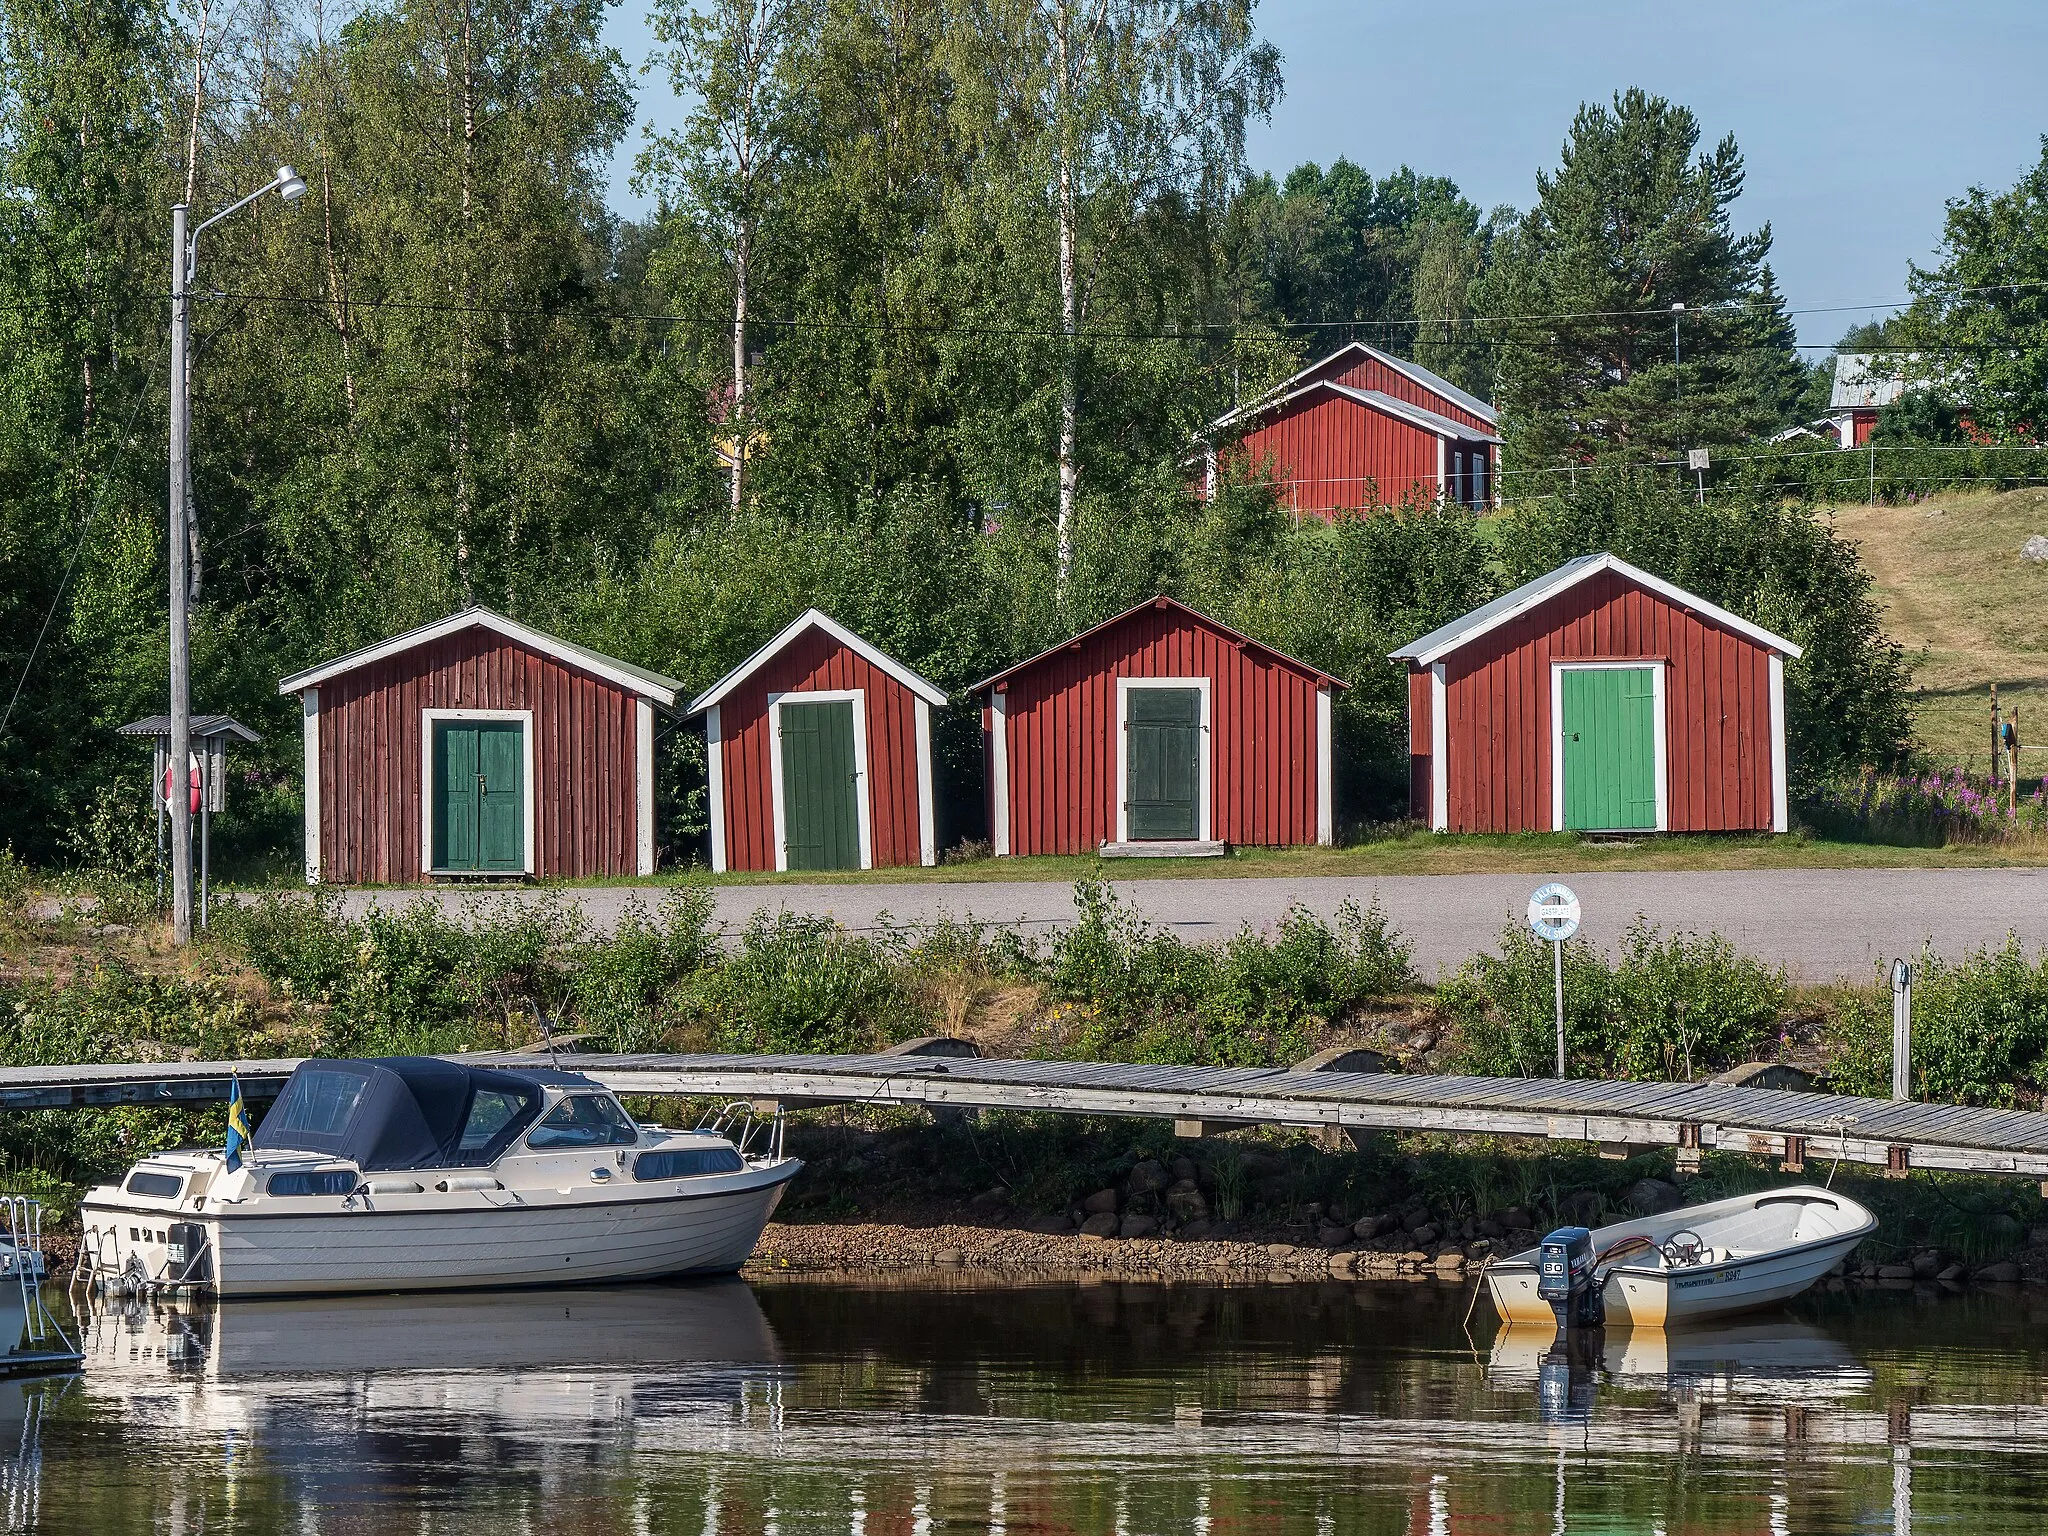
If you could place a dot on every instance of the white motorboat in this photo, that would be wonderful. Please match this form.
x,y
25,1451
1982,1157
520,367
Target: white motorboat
x,y
414,1173
1700,1261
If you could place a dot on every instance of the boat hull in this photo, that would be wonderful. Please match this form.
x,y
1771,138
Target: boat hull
x,y
487,1242
1654,1296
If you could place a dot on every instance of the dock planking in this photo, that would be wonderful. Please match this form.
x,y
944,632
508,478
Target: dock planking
x,y
1706,1115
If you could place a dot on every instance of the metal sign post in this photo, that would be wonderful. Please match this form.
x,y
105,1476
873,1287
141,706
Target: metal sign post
x,y
1554,917
1902,1030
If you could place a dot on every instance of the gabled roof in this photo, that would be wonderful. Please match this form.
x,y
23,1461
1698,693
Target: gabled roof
x,y
650,685
202,727
1864,380
1178,607
1378,400
810,619
1460,632
1435,384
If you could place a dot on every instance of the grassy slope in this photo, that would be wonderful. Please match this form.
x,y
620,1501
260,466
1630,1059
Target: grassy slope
x,y
1956,591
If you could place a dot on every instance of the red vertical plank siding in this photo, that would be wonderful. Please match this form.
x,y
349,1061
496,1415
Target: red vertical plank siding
x,y
1062,728
815,662
1330,453
1498,710
585,766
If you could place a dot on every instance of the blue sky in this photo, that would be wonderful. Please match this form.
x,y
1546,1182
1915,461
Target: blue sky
x,y
1856,120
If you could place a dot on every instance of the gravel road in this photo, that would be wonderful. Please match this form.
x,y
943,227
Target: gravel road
x,y
1820,923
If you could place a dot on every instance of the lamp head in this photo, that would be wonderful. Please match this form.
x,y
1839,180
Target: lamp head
x,y
290,185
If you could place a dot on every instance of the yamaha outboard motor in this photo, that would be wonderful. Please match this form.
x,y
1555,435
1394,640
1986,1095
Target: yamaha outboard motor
x,y
1565,1279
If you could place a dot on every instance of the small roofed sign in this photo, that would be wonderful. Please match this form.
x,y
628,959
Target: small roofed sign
x,y
1554,913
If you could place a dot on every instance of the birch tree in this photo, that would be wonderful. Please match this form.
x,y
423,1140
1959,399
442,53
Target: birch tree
x,y
743,64
1128,104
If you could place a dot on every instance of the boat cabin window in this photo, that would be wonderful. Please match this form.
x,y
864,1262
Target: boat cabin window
x,y
158,1186
490,1111
686,1163
317,1102
326,1181
584,1120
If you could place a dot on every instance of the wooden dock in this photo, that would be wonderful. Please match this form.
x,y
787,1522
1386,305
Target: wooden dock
x,y
1617,1117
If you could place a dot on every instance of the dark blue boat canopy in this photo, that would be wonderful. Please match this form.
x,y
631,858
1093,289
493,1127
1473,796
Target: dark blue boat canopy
x,y
398,1112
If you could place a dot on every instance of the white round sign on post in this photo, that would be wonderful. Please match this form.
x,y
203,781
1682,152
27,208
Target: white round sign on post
x,y
1554,913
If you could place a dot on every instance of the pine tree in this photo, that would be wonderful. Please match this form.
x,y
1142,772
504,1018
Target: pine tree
x,y
1635,321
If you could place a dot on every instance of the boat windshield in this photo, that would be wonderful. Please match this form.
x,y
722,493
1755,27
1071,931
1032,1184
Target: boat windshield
x,y
585,1120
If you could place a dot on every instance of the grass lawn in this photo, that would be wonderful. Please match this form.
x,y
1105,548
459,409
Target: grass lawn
x,y
1421,853
1958,596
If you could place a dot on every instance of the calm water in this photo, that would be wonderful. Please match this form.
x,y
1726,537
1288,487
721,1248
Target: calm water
x,y
797,1407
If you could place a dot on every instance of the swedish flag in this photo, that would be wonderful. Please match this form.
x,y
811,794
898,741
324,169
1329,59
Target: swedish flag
x,y
238,1126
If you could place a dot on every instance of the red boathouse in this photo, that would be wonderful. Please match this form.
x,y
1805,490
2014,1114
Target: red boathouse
x,y
1363,426
1598,698
1159,730
477,746
820,755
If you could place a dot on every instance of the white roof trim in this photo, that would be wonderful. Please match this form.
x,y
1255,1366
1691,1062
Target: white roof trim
x,y
1418,415
812,618
1376,400
1415,372
1459,633
650,685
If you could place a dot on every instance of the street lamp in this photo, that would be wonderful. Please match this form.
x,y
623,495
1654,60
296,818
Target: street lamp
x,y
1677,379
288,185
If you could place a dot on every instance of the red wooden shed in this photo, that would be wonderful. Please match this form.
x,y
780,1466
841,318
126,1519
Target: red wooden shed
x,y
1159,730
477,746
1363,424
1598,698
821,755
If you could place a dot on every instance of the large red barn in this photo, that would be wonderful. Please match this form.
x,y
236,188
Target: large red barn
x,y
1158,730
1363,427
476,746
1598,698
820,755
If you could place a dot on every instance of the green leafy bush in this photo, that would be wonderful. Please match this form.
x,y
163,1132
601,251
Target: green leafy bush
x,y
801,984
1124,990
1672,1007
1980,1031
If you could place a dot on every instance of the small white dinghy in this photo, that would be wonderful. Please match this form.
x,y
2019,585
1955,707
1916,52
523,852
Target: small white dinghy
x,y
414,1173
1700,1261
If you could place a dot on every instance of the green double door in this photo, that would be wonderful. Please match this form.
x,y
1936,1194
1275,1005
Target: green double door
x,y
820,785
479,796
1163,764
1610,748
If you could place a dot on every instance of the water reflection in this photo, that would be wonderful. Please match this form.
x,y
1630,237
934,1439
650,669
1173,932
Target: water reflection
x,y
805,1407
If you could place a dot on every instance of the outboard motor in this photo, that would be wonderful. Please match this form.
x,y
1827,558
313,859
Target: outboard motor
x,y
1565,1279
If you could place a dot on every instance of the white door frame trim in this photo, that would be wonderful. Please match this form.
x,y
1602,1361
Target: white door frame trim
x,y
429,718
1205,751
858,698
1659,669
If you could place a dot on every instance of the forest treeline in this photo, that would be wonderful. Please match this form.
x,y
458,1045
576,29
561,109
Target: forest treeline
x,y
933,299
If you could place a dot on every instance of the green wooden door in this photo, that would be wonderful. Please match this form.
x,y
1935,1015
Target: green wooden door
x,y
820,811
1610,748
479,795
1164,731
